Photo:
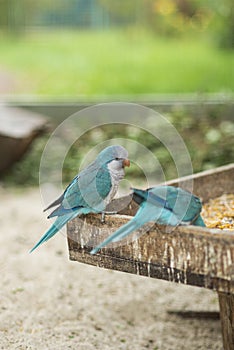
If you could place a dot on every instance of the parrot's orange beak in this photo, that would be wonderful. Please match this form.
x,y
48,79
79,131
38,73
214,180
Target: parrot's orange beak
x,y
126,162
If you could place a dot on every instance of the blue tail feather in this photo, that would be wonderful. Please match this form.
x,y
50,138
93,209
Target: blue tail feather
x,y
62,211
56,226
50,233
122,232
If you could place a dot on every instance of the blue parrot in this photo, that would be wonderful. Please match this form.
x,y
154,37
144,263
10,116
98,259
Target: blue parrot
x,y
166,205
90,191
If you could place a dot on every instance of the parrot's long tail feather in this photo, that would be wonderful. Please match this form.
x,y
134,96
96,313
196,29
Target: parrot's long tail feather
x,y
50,233
122,232
57,225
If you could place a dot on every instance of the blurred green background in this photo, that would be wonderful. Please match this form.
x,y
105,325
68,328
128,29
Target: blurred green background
x,y
131,50
85,48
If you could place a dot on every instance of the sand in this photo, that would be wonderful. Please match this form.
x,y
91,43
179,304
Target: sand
x,y
49,302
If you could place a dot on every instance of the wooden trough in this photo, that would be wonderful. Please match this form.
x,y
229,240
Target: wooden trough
x,y
191,255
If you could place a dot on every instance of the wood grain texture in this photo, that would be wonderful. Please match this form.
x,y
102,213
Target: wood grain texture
x,y
189,255
226,303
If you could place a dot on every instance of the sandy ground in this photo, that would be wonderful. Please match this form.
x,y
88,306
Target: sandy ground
x,y
48,302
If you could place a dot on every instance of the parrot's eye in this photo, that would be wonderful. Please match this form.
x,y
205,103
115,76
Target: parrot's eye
x,y
117,158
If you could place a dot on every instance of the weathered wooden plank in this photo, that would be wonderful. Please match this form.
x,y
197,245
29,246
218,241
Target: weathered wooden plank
x,y
190,255
226,303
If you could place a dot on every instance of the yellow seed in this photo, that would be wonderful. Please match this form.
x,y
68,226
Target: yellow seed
x,y
219,212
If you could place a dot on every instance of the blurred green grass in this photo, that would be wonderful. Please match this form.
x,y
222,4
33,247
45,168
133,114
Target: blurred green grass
x,y
114,62
208,138
78,64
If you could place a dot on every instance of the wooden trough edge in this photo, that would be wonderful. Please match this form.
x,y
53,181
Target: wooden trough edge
x,y
189,255
154,271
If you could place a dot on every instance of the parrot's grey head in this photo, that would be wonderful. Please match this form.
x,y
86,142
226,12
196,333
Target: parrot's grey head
x,y
116,158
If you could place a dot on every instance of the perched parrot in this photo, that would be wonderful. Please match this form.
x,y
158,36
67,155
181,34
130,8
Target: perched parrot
x,y
165,205
90,191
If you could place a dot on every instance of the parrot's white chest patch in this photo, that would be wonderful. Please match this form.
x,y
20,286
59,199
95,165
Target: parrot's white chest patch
x,y
116,176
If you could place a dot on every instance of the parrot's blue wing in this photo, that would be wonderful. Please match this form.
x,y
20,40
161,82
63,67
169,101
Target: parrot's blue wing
x,y
178,206
185,205
140,196
199,221
88,189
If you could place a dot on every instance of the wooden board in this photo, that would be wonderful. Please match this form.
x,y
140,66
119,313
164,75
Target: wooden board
x,y
190,255
226,303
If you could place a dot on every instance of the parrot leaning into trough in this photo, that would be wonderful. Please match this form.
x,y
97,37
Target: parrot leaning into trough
x,y
165,205
90,191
